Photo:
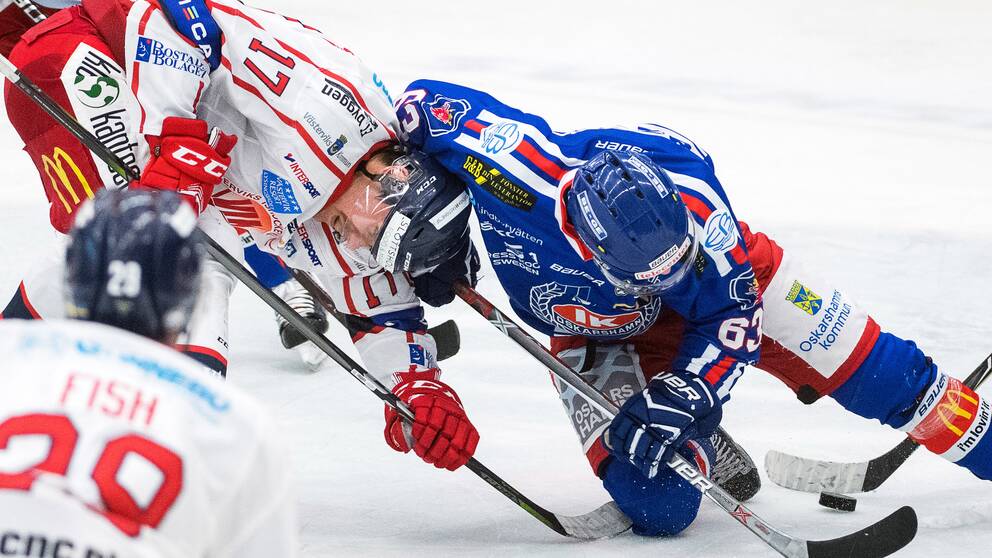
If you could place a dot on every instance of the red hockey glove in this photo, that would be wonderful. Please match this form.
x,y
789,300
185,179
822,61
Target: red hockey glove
x,y
188,160
441,433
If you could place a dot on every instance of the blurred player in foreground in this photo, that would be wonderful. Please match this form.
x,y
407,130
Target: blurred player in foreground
x,y
113,443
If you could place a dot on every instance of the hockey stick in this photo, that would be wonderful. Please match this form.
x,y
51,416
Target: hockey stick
x,y
879,539
446,335
596,524
813,475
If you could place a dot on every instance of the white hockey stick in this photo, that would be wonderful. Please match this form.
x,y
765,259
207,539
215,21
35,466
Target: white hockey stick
x,y
814,475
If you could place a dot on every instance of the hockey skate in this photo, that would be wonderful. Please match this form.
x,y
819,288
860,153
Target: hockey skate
x,y
303,303
734,470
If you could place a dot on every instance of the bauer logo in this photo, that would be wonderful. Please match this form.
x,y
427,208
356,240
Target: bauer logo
x,y
444,114
804,299
278,193
154,52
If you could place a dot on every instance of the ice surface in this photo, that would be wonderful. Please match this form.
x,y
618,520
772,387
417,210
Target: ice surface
x,y
857,134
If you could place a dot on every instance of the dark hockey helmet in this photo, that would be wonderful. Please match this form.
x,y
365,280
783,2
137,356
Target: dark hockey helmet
x,y
427,221
629,213
133,262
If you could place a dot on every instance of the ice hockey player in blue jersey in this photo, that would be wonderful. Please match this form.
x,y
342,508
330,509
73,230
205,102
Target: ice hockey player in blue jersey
x,y
622,246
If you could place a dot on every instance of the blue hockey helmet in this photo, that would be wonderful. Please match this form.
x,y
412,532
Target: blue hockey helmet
x,y
133,262
629,214
427,219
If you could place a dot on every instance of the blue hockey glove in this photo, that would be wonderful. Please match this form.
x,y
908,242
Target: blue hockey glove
x,y
435,287
653,424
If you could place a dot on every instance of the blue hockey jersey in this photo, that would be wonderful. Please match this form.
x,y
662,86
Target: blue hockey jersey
x,y
516,167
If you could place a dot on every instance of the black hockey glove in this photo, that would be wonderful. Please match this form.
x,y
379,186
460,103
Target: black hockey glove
x,y
435,286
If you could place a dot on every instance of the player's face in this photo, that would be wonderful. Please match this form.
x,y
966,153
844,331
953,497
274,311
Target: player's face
x,y
358,214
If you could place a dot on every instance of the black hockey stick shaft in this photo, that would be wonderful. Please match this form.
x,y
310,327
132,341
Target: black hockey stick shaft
x,y
234,266
880,539
882,467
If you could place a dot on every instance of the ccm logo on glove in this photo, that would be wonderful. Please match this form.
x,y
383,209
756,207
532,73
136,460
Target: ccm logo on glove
x,y
188,159
209,166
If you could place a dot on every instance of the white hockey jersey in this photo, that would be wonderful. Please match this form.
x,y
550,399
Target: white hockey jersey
x,y
307,112
112,443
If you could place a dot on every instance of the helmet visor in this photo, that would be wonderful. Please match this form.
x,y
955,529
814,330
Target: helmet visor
x,y
369,202
662,279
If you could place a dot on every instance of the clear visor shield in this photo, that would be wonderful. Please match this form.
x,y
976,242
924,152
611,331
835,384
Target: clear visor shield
x,y
370,200
671,271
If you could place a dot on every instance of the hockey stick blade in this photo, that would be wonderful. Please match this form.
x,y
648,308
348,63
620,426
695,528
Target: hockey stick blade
x,y
881,539
813,475
603,522
448,339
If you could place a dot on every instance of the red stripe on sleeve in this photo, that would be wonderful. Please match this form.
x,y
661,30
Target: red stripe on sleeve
x,y
475,126
717,372
696,205
540,161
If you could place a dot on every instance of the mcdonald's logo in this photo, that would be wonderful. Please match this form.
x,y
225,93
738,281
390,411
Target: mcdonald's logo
x,y
949,419
66,179
951,411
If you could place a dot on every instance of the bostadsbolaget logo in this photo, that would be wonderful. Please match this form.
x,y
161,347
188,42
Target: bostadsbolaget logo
x,y
154,52
804,299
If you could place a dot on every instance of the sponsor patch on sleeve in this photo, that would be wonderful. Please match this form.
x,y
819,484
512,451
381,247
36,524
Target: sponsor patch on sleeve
x,y
278,193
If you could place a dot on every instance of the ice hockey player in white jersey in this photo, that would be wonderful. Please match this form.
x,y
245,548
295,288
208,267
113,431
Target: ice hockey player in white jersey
x,y
114,444
265,124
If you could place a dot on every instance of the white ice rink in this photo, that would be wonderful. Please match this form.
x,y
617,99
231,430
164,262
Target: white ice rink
x,y
856,134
